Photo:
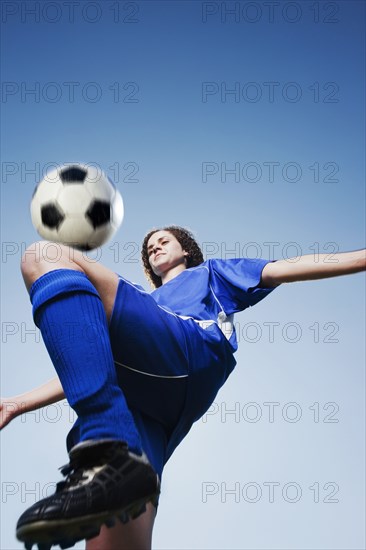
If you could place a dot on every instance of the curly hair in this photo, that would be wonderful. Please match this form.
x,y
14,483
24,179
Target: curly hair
x,y
187,242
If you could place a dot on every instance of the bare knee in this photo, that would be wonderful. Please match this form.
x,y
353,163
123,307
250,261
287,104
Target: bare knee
x,y
44,256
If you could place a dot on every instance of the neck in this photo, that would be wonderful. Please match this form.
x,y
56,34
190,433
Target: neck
x,y
172,273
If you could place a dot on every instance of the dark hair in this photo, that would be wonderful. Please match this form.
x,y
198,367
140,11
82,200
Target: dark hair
x,y
187,242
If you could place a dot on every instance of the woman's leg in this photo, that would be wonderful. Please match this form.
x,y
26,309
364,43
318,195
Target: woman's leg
x,y
134,535
72,299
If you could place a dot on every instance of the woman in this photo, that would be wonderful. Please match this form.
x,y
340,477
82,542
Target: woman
x,y
138,369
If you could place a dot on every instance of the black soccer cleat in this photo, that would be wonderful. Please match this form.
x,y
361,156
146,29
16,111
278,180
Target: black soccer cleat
x,y
104,481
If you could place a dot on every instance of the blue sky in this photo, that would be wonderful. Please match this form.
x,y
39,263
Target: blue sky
x,y
147,94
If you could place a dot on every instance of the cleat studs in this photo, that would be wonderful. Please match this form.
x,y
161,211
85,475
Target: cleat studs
x,y
110,522
66,543
44,546
28,545
123,518
137,511
154,501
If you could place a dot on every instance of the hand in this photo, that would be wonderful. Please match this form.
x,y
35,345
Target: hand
x,y
9,409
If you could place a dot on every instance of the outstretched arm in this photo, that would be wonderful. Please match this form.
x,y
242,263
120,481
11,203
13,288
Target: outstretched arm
x,y
48,393
310,267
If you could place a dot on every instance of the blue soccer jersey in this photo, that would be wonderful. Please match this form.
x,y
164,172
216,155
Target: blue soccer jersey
x,y
174,347
214,291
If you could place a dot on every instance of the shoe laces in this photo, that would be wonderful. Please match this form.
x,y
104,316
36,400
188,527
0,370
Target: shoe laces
x,y
75,470
74,475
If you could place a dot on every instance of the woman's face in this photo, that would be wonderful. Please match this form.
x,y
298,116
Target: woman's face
x,y
165,252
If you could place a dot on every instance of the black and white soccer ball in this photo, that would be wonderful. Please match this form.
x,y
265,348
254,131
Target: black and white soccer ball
x,y
77,205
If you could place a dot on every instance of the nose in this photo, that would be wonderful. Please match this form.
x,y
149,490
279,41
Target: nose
x,y
156,247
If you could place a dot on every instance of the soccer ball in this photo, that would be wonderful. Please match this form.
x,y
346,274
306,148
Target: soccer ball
x,y
77,205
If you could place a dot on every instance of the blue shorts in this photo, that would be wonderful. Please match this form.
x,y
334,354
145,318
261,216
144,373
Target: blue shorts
x,y
168,367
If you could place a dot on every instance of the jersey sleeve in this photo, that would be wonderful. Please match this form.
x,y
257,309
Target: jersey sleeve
x,y
235,283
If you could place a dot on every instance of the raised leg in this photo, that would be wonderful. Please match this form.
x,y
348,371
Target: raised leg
x,y
72,299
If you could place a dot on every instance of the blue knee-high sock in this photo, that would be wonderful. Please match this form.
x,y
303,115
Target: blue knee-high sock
x,y
69,312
